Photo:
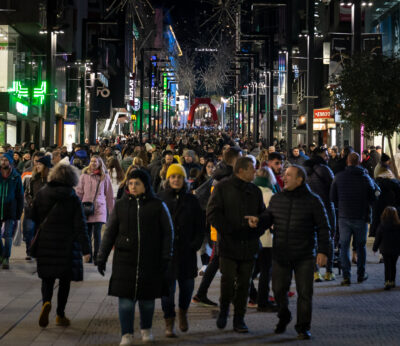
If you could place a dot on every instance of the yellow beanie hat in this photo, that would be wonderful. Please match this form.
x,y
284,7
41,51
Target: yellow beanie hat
x,y
176,169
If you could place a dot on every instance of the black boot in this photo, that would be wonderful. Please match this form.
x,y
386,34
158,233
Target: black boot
x,y
222,318
282,324
238,325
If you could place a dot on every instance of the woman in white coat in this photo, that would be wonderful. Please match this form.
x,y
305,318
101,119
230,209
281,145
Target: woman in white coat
x,y
266,181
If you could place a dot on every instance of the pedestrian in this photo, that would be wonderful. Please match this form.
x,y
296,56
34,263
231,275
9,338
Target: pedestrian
x,y
223,171
233,205
299,219
389,196
38,180
265,180
58,217
319,179
140,228
275,162
189,234
12,204
295,158
353,193
387,240
367,163
95,188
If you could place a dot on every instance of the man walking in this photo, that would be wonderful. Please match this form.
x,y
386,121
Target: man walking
x,y
233,206
297,216
12,203
353,193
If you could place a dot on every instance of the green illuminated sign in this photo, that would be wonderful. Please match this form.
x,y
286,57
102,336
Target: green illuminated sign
x,y
165,87
38,93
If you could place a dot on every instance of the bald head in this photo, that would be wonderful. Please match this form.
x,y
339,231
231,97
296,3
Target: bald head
x,y
353,159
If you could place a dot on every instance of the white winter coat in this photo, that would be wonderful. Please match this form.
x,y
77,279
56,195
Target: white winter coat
x,y
266,238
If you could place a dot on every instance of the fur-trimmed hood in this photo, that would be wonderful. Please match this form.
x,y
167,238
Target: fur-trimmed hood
x,y
64,174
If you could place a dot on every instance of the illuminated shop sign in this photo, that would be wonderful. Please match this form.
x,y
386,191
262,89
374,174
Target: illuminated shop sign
x,y
21,92
21,108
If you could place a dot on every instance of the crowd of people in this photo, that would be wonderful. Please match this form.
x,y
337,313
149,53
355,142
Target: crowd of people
x,y
246,209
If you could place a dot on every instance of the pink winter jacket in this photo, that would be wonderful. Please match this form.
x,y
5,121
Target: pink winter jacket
x,y
104,202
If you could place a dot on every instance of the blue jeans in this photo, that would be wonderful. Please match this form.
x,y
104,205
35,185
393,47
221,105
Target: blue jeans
x,y
358,229
186,288
5,249
28,227
126,310
95,229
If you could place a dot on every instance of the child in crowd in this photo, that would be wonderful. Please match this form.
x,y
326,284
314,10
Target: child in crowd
x,y
387,240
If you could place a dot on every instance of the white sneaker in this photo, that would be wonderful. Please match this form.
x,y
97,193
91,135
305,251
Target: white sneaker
x,y
202,270
147,335
126,340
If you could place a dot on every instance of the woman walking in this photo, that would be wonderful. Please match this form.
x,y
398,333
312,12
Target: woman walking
x,y
58,216
39,177
189,234
95,190
141,230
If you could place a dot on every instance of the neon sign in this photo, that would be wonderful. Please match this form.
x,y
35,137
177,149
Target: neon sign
x,y
21,92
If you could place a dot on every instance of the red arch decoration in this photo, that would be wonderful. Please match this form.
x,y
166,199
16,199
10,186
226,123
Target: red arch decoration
x,y
199,101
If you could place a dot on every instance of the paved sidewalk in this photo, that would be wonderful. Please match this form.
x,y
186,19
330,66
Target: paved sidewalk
x,y
362,314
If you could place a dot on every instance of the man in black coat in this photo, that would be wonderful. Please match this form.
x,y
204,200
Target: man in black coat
x,y
319,179
234,204
353,192
297,216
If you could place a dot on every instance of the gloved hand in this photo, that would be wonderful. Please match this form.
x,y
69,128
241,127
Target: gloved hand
x,y
101,268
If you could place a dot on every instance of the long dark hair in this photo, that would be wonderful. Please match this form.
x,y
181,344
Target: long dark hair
x,y
390,216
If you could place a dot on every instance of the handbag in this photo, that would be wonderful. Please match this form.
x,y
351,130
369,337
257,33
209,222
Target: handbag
x,y
33,247
88,207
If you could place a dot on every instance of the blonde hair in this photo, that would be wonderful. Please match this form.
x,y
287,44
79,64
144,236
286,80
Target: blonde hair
x,y
102,167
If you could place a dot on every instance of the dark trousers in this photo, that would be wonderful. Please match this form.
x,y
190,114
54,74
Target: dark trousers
x,y
235,283
208,277
62,296
263,267
186,287
281,278
390,262
95,229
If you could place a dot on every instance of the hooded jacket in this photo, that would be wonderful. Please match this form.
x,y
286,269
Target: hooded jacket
x,y
11,196
141,231
63,237
353,193
319,179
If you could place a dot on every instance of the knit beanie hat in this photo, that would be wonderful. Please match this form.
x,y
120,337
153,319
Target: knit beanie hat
x,y
176,169
385,158
46,160
9,155
143,176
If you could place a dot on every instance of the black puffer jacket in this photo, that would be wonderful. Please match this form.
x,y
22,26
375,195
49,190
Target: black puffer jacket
x,y
189,228
142,233
63,238
297,216
387,239
353,193
232,200
319,179
390,196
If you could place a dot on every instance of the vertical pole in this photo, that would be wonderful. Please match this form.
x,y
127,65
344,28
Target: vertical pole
x,y
257,110
51,44
82,110
141,96
356,48
242,116
150,101
289,76
310,71
248,109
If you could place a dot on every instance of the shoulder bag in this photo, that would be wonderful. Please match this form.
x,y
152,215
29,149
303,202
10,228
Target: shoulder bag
x,y
33,247
88,207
